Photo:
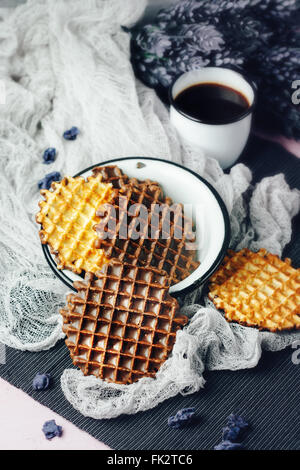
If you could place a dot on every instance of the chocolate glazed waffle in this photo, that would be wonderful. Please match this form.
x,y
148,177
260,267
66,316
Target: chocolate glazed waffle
x,y
122,323
111,174
158,237
257,289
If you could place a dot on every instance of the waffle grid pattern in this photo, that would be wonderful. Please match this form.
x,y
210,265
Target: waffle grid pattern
x,y
258,289
122,324
67,216
159,241
119,180
111,174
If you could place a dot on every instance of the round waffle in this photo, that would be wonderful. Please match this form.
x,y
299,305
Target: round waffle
x,y
121,325
67,216
160,236
257,289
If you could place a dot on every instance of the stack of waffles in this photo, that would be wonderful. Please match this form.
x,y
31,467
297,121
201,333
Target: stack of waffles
x,y
130,243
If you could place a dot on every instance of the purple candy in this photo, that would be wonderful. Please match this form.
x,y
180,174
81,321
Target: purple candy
x,y
173,422
228,445
45,183
181,418
50,429
41,381
236,420
231,433
49,155
71,134
235,426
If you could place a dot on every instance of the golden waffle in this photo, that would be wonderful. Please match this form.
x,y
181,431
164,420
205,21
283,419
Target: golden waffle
x,y
122,323
257,289
158,241
67,216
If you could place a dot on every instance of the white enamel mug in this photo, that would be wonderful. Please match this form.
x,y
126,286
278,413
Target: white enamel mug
x,y
224,141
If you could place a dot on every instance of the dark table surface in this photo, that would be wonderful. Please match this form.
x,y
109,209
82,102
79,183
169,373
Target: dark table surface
x,y
267,395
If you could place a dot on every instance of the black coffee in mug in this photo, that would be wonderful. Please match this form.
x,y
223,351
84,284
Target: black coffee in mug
x,y
212,103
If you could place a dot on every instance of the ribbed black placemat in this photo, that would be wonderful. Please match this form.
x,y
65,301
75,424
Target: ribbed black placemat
x,y
268,395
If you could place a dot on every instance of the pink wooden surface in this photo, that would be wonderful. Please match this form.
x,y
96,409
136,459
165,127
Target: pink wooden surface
x,y
22,418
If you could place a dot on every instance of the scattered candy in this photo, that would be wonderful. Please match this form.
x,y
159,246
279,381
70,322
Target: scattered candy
x,y
235,425
232,432
228,445
46,182
235,420
41,381
50,429
181,418
71,134
49,155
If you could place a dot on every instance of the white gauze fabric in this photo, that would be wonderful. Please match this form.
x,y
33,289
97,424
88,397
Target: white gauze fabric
x,y
68,63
